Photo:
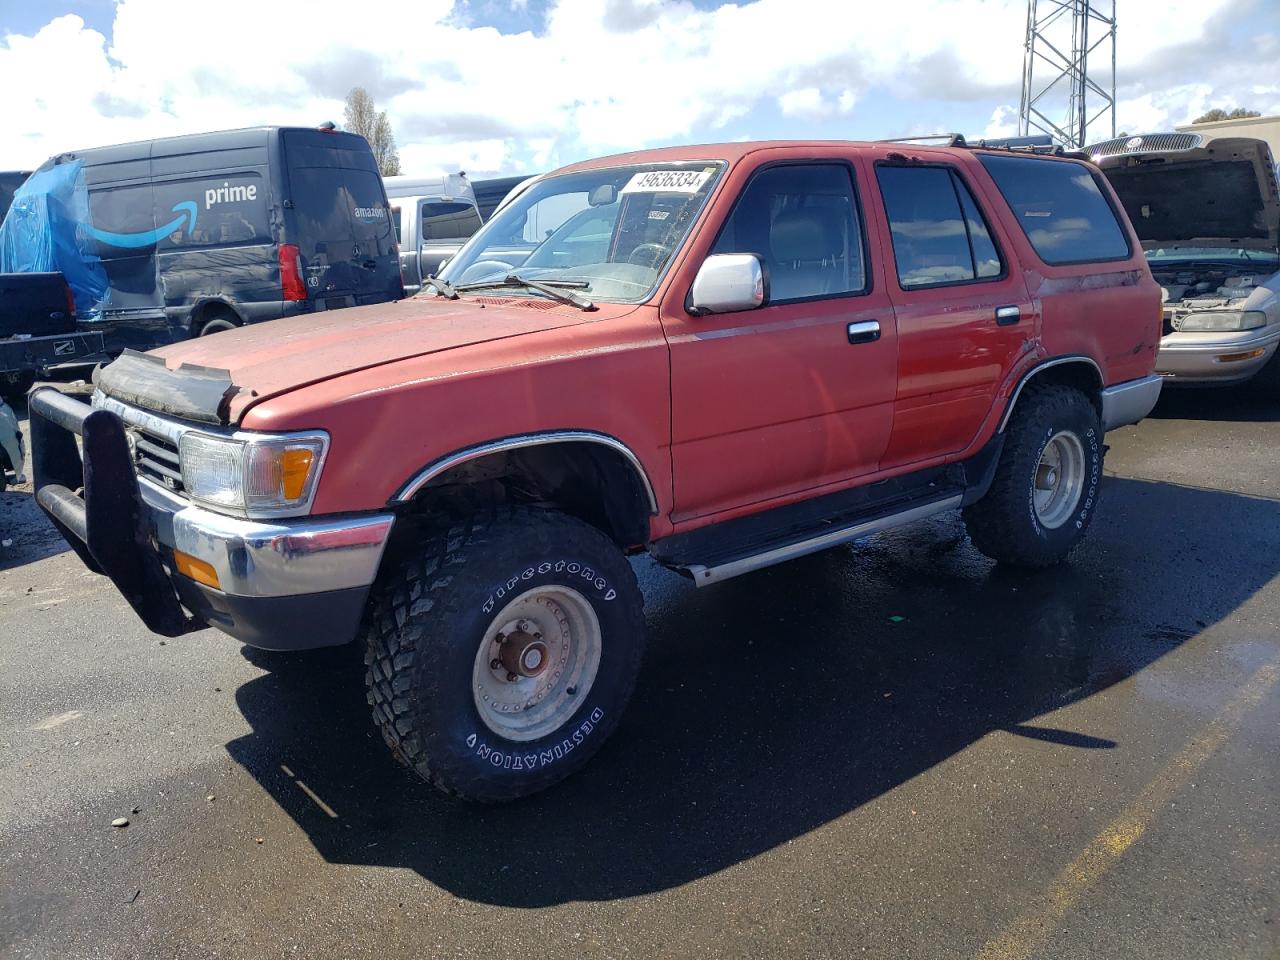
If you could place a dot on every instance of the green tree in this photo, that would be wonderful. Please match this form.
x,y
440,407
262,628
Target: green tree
x,y
363,117
1214,115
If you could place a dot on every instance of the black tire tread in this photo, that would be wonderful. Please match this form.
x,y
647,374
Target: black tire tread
x,y
422,583
991,522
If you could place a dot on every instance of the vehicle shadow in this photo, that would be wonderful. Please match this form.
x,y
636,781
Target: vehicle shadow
x,y
775,703
1238,404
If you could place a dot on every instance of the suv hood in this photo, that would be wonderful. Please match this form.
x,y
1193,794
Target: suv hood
x,y
216,379
1222,193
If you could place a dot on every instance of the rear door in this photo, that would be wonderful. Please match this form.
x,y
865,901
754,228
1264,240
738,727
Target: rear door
x,y
341,222
963,315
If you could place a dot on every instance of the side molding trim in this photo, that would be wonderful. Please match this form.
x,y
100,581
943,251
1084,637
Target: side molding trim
x,y
440,466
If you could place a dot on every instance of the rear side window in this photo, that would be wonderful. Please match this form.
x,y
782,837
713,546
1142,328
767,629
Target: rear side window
x,y
939,235
802,221
448,221
1060,208
229,210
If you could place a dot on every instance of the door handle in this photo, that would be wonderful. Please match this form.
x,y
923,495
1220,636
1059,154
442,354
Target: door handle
x,y
1007,316
370,264
864,331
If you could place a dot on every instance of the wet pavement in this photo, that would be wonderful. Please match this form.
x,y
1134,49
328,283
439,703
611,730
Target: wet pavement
x,y
890,750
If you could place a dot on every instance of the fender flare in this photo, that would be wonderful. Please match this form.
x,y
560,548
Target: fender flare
x,y
1039,368
443,464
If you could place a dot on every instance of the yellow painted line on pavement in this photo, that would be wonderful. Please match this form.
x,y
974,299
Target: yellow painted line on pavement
x,y
1030,932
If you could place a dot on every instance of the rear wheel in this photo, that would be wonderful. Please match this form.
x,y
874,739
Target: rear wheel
x,y
14,386
1045,489
217,323
501,657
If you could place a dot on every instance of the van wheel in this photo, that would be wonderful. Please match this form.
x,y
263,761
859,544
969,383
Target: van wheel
x,y
217,323
501,657
1046,485
14,386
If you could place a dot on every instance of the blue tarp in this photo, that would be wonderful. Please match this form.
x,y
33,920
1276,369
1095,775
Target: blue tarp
x,y
44,232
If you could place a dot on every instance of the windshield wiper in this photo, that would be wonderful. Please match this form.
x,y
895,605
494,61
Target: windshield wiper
x,y
444,286
555,289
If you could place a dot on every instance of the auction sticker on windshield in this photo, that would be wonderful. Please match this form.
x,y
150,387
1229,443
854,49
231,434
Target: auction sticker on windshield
x,y
668,181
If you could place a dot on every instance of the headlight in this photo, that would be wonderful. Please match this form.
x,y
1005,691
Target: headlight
x,y
1220,321
274,476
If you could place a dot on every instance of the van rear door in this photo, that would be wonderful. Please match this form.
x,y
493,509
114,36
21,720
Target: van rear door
x,y
340,223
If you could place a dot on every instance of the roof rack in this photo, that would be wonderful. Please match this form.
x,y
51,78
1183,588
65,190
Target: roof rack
x,y
1039,143
952,139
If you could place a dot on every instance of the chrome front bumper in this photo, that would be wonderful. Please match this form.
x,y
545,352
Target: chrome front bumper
x,y
278,559
282,585
1220,358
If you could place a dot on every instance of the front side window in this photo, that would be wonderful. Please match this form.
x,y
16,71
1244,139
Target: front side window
x,y
1060,208
609,232
802,222
448,220
939,235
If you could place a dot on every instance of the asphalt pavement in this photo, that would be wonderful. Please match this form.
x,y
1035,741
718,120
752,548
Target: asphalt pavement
x,y
895,749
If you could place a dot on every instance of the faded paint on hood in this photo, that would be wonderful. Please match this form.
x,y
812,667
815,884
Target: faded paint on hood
x,y
1221,194
267,359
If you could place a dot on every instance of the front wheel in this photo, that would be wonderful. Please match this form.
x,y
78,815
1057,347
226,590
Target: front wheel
x,y
502,656
1045,489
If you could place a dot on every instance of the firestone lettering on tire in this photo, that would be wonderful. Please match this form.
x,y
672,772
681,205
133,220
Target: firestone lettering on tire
x,y
504,760
602,585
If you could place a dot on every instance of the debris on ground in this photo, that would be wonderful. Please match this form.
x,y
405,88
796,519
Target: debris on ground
x,y
120,822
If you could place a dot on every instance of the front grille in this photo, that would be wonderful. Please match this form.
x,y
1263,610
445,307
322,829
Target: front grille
x,y
1151,143
156,458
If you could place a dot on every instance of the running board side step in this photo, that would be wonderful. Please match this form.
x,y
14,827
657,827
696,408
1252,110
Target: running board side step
x,y
704,575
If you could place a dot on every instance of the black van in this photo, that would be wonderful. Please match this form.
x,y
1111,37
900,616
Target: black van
x,y
205,232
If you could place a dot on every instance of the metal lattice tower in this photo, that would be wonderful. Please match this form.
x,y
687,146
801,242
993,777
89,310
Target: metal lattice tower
x,y
1062,37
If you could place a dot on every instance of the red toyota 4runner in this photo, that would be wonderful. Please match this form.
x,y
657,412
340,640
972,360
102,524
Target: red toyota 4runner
x,y
724,356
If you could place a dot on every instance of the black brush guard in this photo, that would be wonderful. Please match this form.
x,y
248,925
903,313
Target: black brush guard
x,y
95,503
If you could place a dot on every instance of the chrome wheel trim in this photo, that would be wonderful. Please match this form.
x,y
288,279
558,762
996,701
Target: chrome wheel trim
x,y
1058,480
552,634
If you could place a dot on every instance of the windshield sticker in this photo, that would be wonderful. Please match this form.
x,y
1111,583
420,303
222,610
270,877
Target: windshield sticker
x,y
667,181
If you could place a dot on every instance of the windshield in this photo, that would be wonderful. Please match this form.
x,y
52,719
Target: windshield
x,y
613,230
1261,258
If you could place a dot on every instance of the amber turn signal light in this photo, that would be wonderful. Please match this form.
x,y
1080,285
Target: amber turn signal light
x,y
196,569
1235,357
295,465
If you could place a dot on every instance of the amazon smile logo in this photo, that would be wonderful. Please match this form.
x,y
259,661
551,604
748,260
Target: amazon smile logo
x,y
186,211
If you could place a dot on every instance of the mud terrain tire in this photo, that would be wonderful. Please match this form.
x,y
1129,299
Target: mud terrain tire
x,y
1005,523
435,624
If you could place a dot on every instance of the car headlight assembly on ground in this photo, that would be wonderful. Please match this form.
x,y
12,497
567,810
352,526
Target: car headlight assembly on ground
x,y
1222,321
249,477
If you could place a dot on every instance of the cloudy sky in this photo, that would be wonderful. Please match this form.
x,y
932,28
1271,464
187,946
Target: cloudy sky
x,y
516,86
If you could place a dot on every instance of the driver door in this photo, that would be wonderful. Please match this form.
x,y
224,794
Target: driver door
x,y
797,394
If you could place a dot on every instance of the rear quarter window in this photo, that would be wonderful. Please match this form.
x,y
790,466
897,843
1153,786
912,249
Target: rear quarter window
x,y
1061,208
230,210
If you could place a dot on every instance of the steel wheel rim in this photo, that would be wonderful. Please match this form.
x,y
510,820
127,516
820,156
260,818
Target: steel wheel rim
x,y
551,632
1058,480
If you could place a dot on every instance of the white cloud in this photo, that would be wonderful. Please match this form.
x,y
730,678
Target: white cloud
x,y
1003,122
596,77
805,102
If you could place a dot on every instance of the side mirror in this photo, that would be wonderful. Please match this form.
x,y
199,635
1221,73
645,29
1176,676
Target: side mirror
x,y
603,195
728,282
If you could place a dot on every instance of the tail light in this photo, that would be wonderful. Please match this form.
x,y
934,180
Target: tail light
x,y
71,301
291,283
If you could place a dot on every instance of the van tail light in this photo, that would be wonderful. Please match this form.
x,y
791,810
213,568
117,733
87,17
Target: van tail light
x,y
71,301
291,282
